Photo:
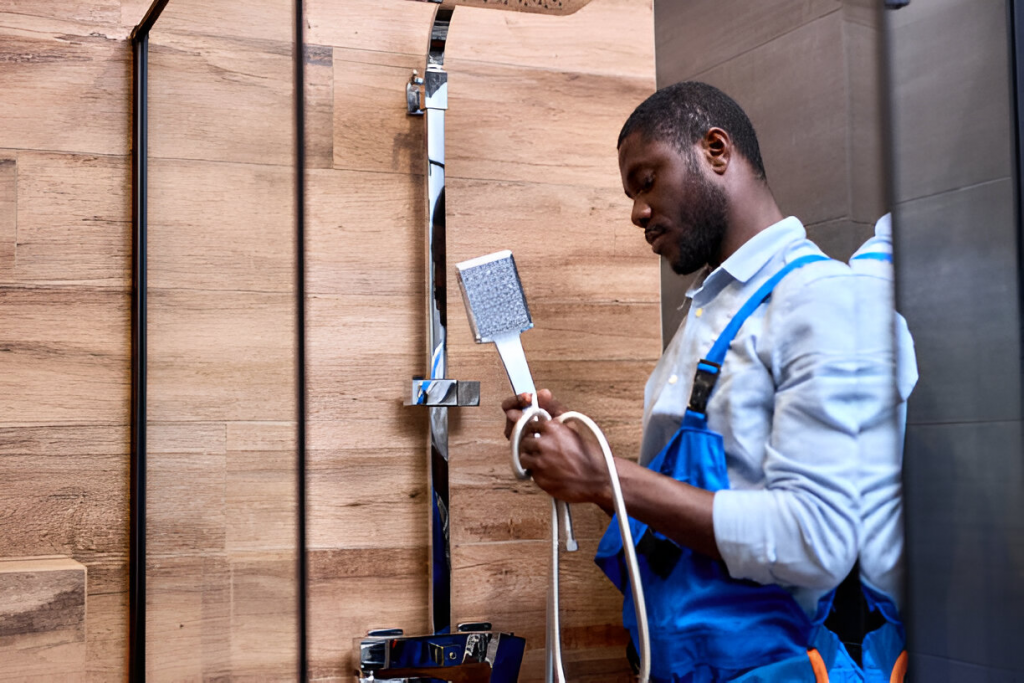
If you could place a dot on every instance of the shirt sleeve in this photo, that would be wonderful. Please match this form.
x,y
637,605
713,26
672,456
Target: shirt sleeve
x,y
801,528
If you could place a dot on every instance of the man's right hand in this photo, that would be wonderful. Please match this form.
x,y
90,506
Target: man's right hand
x,y
514,406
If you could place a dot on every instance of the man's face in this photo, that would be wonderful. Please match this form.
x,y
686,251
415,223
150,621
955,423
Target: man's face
x,y
682,212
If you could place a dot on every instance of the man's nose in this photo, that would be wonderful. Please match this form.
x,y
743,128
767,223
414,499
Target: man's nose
x,y
641,213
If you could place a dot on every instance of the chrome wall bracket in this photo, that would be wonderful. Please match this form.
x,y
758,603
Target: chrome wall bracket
x,y
413,94
448,393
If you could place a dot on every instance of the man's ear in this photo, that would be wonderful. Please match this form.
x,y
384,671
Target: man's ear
x,y
717,149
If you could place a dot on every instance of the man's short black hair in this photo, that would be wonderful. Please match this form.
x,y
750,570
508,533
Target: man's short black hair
x,y
683,113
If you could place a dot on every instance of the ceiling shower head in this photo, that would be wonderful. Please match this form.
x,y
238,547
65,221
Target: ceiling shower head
x,y
558,7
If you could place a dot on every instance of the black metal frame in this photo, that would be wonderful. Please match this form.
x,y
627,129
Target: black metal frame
x,y
300,327
137,492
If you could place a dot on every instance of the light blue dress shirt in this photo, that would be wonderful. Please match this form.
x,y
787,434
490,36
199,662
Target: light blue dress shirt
x,y
789,405
881,436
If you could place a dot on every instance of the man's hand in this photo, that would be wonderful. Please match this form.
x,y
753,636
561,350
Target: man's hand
x,y
561,462
572,469
515,405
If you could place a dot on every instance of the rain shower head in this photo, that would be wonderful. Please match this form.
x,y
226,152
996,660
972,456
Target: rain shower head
x,y
559,7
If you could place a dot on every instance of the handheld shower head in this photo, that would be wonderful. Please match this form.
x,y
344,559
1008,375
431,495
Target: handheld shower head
x,y
497,310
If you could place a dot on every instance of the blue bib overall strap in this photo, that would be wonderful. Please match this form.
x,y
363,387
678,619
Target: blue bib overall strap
x,y
705,626
873,256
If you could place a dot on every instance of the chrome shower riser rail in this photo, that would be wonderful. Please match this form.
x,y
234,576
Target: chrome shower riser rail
x,y
435,102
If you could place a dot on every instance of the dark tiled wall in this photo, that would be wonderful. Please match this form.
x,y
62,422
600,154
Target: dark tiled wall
x,y
957,284
806,72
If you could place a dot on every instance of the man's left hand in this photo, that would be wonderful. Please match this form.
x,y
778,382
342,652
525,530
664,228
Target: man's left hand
x,y
564,464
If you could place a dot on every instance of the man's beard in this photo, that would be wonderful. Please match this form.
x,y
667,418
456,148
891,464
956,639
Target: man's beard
x,y
705,214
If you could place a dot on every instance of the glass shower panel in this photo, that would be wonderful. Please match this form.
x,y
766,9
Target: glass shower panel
x,y
222,581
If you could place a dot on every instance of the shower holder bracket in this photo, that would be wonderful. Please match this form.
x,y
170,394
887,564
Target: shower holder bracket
x,y
413,94
436,393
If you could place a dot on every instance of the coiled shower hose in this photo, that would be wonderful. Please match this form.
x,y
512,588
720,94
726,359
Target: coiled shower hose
x,y
556,672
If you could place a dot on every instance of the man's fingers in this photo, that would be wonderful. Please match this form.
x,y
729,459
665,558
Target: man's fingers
x,y
547,401
520,401
513,407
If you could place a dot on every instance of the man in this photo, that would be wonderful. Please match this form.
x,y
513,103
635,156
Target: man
x,y
744,503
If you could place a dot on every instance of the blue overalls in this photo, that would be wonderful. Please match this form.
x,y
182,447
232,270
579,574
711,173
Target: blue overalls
x,y
882,649
705,626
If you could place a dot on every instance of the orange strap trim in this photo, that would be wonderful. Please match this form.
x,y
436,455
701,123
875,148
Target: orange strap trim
x,y
899,670
818,665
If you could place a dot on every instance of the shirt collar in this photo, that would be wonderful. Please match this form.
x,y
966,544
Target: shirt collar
x,y
752,256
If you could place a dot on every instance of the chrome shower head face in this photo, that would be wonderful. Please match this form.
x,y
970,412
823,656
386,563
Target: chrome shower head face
x,y
493,294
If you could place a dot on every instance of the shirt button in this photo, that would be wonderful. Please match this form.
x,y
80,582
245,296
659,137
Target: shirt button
x,y
673,379
700,312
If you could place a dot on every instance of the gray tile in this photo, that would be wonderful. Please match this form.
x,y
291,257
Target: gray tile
x,y
957,287
964,495
924,669
950,95
840,238
693,36
868,165
794,91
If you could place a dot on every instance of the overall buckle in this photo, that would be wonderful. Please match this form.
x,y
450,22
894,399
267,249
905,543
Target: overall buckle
x,y
703,384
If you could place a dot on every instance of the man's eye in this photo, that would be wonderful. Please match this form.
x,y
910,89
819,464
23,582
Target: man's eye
x,y
648,183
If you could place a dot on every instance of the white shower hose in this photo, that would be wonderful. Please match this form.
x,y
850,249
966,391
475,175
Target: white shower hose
x,y
555,671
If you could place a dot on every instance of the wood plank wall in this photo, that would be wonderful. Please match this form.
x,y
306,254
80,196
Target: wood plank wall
x,y
221,557
65,241
536,103
535,107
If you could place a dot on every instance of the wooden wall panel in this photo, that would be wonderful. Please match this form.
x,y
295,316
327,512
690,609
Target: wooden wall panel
x,y
72,219
222,99
64,355
223,512
534,111
42,618
101,12
222,568
537,125
588,41
67,85
386,27
8,215
230,235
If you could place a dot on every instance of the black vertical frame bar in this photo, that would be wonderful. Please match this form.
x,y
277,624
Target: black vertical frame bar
x,y
300,332
137,481
137,492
